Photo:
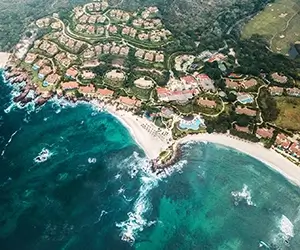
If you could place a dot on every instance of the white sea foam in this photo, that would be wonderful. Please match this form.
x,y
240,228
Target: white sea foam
x,y
140,167
244,195
9,141
286,227
121,190
92,160
286,232
103,212
43,156
136,219
117,176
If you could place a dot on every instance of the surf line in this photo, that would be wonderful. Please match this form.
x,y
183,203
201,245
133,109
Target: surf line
x,y
9,141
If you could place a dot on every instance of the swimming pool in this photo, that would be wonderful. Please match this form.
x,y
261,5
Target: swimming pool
x,y
195,124
244,99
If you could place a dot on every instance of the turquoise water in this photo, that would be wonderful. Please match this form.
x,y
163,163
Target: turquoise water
x,y
194,124
93,188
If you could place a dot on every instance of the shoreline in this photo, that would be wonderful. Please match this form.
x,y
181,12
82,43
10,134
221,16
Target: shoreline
x,y
269,157
4,56
147,141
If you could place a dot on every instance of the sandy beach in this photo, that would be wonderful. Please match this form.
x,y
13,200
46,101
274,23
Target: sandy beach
x,y
268,156
149,137
3,59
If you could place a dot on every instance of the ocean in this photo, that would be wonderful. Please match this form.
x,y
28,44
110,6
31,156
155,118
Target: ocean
x,y
71,177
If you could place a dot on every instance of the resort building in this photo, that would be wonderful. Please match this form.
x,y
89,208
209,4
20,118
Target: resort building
x,y
30,58
245,111
279,78
71,73
88,75
295,149
293,92
115,75
69,85
149,56
249,83
276,90
143,83
189,80
166,112
207,103
104,93
139,53
113,29
167,95
205,82
129,102
51,79
242,129
159,57
46,70
264,133
282,141
230,84
217,57
87,90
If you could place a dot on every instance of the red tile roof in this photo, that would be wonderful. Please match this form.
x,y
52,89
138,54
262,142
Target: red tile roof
x,y
207,103
87,89
188,79
69,85
242,129
265,133
282,140
250,83
231,84
128,101
72,72
202,77
105,92
245,111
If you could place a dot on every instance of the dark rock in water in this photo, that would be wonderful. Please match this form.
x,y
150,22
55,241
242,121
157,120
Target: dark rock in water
x,y
21,96
26,100
41,100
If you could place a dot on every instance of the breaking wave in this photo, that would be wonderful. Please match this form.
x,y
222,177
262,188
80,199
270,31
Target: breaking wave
x,y
136,222
43,156
244,195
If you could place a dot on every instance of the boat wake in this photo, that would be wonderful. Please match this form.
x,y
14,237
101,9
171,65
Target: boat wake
x,y
9,141
243,196
43,156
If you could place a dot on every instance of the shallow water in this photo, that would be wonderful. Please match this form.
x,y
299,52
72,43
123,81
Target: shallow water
x,y
94,188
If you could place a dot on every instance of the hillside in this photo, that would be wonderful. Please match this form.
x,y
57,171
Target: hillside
x,y
15,15
213,17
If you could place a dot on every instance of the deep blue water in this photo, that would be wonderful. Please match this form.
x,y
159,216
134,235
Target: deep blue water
x,y
95,187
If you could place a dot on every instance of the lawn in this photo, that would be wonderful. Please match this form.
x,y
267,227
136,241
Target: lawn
x,y
289,115
278,22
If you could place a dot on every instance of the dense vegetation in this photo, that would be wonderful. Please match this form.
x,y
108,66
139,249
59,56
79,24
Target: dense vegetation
x,y
16,15
268,106
201,20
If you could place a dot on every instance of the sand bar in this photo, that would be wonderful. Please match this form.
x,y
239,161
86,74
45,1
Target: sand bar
x,y
268,156
3,59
